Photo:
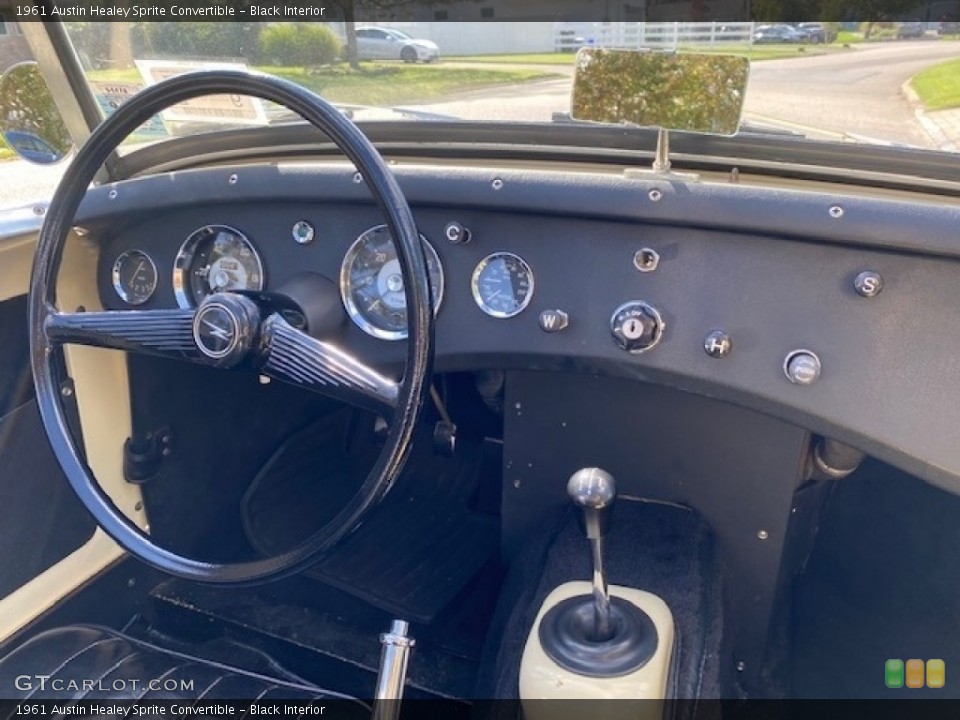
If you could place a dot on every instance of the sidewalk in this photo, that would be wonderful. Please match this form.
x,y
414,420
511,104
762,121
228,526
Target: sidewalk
x,y
943,126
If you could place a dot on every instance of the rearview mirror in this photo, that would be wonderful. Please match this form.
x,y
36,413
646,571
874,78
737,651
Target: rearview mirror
x,y
692,92
29,120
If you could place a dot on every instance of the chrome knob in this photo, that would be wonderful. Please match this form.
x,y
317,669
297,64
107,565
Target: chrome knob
x,y
593,490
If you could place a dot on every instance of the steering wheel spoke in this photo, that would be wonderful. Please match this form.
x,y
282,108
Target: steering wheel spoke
x,y
296,357
155,332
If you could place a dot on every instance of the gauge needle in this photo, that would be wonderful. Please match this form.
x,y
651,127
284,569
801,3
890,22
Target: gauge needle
x,y
137,271
493,295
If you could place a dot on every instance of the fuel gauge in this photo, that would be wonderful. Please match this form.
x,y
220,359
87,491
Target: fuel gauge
x,y
134,277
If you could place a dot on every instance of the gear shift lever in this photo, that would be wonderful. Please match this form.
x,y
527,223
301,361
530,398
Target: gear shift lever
x,y
596,635
593,491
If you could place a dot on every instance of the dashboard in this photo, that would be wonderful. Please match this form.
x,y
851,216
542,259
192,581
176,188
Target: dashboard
x,y
831,312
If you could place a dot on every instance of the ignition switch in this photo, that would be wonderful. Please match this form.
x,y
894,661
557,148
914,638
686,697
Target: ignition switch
x,y
636,326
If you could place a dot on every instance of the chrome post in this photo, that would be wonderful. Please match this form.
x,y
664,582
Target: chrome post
x,y
661,161
394,656
593,491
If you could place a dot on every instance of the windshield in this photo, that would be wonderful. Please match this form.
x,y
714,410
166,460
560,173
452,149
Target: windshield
x,y
894,83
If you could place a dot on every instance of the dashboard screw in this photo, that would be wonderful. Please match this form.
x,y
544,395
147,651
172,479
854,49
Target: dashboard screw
x,y
655,195
232,179
39,210
741,666
762,534
357,178
497,184
66,391
836,212
112,194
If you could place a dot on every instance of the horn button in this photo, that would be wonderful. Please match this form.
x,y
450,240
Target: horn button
x,y
225,327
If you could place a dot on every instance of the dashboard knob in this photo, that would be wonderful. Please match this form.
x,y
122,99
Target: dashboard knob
x,y
456,233
636,326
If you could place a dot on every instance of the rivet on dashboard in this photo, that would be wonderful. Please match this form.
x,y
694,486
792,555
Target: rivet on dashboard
x,y
836,211
646,259
763,534
39,210
741,666
232,179
497,184
112,194
357,178
655,195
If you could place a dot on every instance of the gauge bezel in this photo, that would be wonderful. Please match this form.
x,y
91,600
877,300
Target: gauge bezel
x,y
346,296
188,249
475,285
118,281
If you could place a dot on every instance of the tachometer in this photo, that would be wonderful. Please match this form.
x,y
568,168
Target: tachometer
x,y
134,277
213,259
502,285
371,284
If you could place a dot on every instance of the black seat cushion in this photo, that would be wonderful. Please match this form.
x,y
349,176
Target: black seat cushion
x,y
85,662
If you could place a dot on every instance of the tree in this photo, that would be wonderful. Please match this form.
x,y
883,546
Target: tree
x,y
873,11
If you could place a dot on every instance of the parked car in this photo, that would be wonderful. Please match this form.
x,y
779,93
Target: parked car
x,y
911,30
816,32
377,43
778,34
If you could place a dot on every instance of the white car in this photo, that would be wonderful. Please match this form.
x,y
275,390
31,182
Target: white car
x,y
376,43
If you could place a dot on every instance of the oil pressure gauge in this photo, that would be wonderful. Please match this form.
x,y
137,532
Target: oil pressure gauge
x,y
502,285
134,277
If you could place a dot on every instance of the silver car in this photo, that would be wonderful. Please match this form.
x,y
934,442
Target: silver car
x,y
377,43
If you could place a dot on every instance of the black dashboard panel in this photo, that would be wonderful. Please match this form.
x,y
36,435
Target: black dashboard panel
x,y
773,269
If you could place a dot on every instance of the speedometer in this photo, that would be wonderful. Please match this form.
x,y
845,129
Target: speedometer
x,y
213,259
502,285
371,284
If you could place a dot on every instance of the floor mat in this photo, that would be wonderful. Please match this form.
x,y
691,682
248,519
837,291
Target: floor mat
x,y
883,583
413,554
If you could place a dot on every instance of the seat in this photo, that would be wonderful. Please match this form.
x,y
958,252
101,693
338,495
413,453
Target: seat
x,y
86,662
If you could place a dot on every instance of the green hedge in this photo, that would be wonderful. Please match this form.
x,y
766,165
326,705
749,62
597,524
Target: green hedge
x,y
299,45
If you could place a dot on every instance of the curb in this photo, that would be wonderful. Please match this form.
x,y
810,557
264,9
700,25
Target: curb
x,y
929,125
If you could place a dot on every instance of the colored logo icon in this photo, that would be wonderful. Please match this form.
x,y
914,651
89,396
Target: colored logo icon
x,y
914,673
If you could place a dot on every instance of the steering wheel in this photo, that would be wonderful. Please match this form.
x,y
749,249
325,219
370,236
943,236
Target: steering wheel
x,y
230,330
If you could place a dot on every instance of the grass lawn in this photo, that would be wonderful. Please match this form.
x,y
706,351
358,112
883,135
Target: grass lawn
x,y
939,86
756,52
383,84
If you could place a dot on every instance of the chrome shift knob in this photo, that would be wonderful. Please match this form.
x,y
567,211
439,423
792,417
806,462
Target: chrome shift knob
x,y
593,491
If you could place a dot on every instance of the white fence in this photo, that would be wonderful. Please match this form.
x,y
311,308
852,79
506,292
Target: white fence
x,y
631,36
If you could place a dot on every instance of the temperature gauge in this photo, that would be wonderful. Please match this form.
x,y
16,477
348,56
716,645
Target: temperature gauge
x,y
134,277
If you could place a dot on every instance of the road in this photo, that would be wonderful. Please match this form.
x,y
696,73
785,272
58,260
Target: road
x,y
824,96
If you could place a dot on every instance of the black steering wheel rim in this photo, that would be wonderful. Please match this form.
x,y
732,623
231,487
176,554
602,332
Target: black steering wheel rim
x,y
46,355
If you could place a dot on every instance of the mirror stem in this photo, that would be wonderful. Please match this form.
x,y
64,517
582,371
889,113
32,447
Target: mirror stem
x,y
661,161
